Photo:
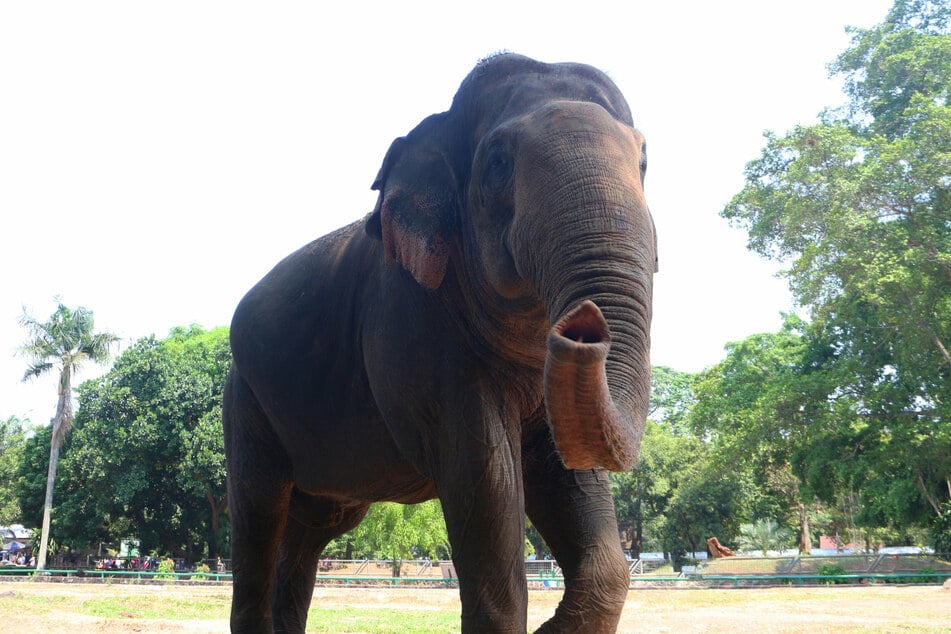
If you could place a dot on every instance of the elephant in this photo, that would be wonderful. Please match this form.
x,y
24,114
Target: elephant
x,y
482,337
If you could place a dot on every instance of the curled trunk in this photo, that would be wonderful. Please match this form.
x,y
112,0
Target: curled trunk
x,y
591,428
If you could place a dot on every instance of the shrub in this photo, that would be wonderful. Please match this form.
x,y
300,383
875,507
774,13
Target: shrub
x,y
763,535
941,531
916,579
202,573
166,569
832,570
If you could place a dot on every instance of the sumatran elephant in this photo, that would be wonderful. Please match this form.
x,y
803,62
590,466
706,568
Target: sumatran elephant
x,y
482,336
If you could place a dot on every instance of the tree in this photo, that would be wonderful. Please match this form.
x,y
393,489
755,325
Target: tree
x,y
758,407
12,442
858,206
146,457
709,503
941,531
642,496
62,343
762,535
672,398
397,531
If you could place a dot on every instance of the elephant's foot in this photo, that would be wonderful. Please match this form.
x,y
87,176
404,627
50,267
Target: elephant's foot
x,y
493,624
588,612
591,620
252,625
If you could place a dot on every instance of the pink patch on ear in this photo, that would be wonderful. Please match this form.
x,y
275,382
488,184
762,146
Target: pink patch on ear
x,y
425,257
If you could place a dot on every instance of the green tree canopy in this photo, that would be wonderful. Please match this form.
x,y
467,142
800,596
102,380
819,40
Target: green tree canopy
x,y
671,397
764,536
858,206
710,502
757,407
402,531
12,443
642,496
668,453
146,459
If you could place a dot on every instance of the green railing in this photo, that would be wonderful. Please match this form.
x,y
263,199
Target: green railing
x,y
549,580
120,575
906,578
348,580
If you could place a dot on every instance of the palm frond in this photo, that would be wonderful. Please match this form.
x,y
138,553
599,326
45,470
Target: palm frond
x,y
65,340
37,369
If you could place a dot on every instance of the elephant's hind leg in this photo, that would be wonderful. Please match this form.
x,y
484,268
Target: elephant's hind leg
x,y
259,491
311,524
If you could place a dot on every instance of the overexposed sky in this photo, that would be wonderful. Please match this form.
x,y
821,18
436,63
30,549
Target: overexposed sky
x,y
157,158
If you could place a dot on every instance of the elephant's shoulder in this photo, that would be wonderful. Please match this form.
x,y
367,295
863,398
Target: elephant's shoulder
x,y
306,289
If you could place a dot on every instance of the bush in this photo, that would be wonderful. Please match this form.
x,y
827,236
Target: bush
x,y
916,579
832,570
941,530
202,573
166,569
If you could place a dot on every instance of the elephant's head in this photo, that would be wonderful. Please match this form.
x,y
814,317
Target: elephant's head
x,y
531,188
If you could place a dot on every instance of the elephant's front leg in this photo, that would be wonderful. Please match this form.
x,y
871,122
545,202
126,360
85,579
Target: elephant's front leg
x,y
480,489
574,512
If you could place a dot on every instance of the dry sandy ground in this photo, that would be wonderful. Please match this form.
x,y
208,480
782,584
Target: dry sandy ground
x,y
839,609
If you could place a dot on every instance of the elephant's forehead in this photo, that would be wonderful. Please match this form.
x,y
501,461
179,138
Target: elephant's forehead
x,y
520,85
517,97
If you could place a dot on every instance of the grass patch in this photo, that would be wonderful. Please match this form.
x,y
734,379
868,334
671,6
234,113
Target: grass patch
x,y
13,601
118,607
157,607
383,621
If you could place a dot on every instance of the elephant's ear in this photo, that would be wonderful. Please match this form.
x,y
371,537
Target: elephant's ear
x,y
415,211
654,231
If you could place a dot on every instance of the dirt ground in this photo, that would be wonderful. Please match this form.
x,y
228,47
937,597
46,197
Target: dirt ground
x,y
827,609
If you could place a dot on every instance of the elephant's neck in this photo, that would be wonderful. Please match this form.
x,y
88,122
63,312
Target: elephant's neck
x,y
507,333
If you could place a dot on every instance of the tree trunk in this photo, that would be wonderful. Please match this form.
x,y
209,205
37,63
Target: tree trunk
x,y
927,494
62,422
48,505
805,538
217,507
637,539
213,537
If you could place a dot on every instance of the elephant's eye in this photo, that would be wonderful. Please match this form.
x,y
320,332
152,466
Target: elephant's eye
x,y
497,171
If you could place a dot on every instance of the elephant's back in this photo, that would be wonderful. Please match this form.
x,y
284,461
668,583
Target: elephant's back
x,y
301,317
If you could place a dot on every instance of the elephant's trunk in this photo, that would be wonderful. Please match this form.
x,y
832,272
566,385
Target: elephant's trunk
x,y
595,277
597,405
597,368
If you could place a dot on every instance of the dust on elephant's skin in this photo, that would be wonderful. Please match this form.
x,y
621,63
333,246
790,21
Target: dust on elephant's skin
x,y
482,336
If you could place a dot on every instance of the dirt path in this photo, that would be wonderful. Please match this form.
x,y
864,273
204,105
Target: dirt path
x,y
60,607
787,610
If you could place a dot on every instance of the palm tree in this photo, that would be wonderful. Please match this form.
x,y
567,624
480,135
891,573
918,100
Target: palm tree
x,y
763,535
62,343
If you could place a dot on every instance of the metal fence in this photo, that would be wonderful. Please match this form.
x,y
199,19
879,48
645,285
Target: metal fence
x,y
800,570
726,572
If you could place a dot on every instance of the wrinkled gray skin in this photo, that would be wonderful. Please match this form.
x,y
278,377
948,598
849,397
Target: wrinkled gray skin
x,y
482,337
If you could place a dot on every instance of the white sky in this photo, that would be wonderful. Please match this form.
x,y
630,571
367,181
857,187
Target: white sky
x,y
157,158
